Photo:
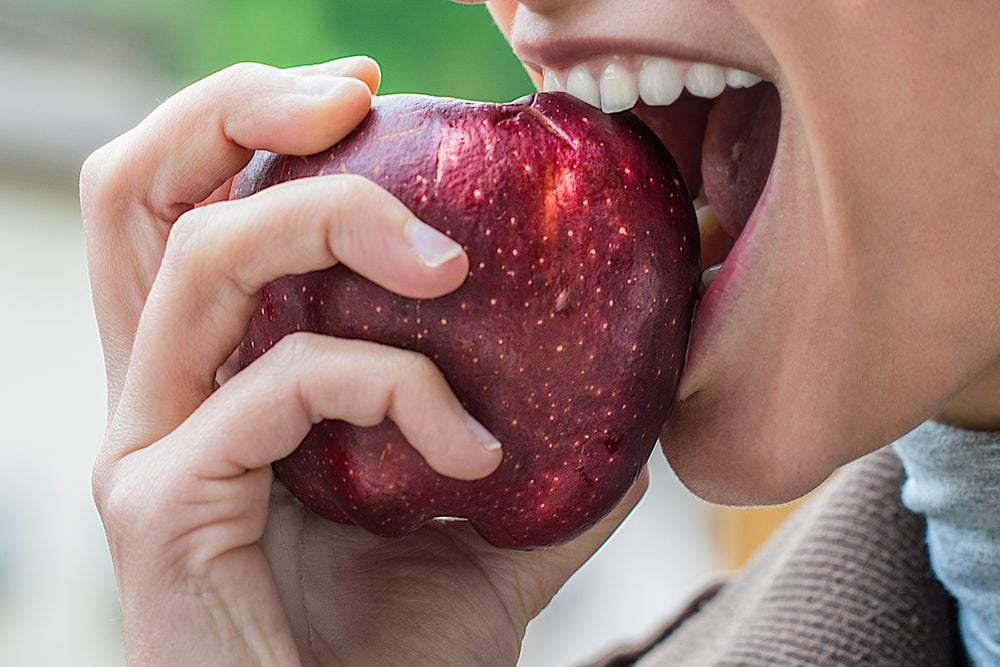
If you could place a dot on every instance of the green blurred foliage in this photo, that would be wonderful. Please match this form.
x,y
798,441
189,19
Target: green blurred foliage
x,y
429,46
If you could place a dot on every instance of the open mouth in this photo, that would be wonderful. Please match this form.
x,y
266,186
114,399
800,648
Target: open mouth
x,y
720,124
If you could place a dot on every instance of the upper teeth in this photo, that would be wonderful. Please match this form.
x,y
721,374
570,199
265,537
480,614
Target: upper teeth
x,y
614,84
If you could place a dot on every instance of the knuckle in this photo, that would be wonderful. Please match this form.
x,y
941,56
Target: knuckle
x,y
102,177
347,230
99,485
112,500
228,87
233,85
352,184
418,366
204,243
185,242
293,351
291,359
121,499
354,189
91,172
242,74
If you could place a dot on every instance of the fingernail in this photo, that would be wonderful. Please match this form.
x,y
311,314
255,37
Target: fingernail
x,y
433,247
327,86
490,442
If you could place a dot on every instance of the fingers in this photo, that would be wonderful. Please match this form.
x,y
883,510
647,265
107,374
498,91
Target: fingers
x,y
226,116
263,413
219,257
133,189
201,136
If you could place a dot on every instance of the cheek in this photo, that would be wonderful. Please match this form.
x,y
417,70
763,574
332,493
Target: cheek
x,y
895,111
901,132
902,136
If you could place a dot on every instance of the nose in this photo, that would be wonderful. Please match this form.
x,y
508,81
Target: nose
x,y
537,6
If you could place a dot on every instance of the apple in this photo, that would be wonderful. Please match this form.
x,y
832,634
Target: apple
x,y
566,341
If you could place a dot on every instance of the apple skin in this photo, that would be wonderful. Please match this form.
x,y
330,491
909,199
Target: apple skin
x,y
566,341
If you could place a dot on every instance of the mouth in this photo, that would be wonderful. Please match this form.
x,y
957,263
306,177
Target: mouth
x,y
720,123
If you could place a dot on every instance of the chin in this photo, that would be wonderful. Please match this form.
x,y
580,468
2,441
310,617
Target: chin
x,y
731,452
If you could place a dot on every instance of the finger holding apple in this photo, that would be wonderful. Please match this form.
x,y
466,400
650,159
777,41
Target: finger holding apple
x,y
174,271
219,256
135,188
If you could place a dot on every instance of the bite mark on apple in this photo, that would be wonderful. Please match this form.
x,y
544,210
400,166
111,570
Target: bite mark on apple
x,y
550,125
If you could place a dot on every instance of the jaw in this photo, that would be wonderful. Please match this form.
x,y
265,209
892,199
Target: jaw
x,y
745,429
770,403
830,336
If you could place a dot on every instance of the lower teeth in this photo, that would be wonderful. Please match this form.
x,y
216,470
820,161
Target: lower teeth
x,y
701,201
707,277
715,243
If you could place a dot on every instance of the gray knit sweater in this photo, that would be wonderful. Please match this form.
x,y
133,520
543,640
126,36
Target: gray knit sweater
x,y
847,581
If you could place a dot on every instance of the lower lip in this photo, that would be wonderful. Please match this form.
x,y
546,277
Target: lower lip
x,y
720,297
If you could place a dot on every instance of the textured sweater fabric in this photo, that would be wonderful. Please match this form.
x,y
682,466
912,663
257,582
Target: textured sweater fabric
x,y
953,478
846,581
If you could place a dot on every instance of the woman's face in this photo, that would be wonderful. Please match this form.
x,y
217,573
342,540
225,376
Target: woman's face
x,y
861,296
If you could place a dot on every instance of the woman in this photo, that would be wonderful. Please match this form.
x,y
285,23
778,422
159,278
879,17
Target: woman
x,y
853,306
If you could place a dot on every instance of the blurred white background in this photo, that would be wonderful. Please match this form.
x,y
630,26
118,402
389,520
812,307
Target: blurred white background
x,y
66,90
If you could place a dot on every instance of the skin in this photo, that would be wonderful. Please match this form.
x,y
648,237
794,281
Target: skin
x,y
873,311
873,314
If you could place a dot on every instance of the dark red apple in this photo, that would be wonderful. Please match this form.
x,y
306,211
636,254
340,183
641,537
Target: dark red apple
x,y
566,341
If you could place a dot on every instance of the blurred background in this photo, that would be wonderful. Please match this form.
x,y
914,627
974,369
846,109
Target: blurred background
x,y
73,75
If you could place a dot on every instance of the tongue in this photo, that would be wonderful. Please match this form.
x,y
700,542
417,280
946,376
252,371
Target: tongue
x,y
740,142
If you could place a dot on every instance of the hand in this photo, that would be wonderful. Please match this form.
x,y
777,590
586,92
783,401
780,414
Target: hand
x,y
215,563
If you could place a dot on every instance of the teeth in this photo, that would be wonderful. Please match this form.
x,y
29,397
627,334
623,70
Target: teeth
x,y
660,82
715,242
552,84
737,78
619,89
707,278
704,80
701,200
581,84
